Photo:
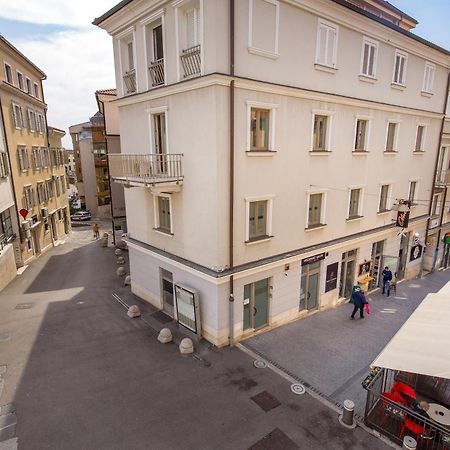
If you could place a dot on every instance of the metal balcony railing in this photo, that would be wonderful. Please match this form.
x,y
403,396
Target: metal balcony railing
x,y
129,78
191,61
156,69
146,168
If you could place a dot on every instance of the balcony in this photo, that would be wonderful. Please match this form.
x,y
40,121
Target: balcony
x,y
129,78
148,170
191,61
156,70
442,178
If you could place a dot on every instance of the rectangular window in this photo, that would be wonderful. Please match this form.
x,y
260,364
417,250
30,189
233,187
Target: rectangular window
x,y
8,74
45,157
18,116
62,180
28,199
41,192
257,219
130,55
36,90
57,186
6,227
419,138
193,27
37,160
435,206
4,167
20,82
326,45
259,129
50,192
384,196
320,133
24,162
361,135
428,78
158,49
369,58
391,137
353,210
412,191
28,82
31,120
400,60
315,210
164,214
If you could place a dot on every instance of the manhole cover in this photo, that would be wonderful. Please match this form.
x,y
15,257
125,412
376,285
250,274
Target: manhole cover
x,y
298,388
24,305
266,401
260,364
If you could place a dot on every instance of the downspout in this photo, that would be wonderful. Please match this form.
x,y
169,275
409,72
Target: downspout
x,y
436,250
99,102
231,181
434,181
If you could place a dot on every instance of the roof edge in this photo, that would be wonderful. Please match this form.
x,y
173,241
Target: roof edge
x,y
98,20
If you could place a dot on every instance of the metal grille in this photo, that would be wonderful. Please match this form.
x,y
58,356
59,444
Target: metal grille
x,y
191,61
157,72
129,79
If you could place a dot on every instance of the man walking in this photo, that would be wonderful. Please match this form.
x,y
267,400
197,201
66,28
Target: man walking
x,y
387,277
359,300
96,228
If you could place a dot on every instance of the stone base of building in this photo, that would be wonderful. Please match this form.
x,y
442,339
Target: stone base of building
x,y
8,269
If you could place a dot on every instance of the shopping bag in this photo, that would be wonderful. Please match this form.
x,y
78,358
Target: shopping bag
x,y
367,308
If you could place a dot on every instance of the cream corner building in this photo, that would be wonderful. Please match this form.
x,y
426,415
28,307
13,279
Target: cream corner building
x,y
263,179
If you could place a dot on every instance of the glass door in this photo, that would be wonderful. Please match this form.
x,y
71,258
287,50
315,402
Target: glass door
x,y
167,291
375,267
159,131
309,287
256,304
403,256
347,278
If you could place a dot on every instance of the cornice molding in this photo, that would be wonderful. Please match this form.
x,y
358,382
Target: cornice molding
x,y
17,93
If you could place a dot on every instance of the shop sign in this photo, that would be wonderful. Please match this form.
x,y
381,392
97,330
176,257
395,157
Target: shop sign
x,y
402,219
364,267
313,259
416,252
331,279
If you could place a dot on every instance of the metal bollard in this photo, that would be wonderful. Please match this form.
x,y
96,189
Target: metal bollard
x,y
409,443
346,418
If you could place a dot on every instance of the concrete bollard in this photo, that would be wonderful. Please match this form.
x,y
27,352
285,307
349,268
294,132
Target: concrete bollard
x,y
346,418
186,346
104,242
118,252
121,271
133,311
120,260
121,245
127,281
409,443
165,336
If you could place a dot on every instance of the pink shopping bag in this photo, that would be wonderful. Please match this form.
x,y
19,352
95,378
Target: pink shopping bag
x,y
367,308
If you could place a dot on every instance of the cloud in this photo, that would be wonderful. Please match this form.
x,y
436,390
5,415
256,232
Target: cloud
x,y
73,13
77,63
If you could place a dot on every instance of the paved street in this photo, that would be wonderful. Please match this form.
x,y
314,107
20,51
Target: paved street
x,y
331,352
82,375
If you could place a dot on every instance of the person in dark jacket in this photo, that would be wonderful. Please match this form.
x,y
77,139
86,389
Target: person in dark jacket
x,y
387,277
359,300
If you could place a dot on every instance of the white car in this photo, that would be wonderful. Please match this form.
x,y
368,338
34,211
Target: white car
x,y
81,215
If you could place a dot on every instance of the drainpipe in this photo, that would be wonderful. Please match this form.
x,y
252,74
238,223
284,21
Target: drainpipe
x,y
434,182
436,250
231,181
99,102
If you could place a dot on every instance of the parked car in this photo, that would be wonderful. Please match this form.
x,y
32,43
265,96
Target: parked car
x,y
81,215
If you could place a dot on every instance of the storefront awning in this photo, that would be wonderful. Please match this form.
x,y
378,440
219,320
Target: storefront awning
x,y
422,345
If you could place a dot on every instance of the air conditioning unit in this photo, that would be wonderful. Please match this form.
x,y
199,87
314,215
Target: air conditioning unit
x,y
26,225
44,213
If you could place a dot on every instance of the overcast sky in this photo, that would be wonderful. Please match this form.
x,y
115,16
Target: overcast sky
x,y
58,37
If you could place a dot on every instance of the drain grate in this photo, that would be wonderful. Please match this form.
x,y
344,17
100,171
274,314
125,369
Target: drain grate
x,y
24,305
162,317
275,440
266,401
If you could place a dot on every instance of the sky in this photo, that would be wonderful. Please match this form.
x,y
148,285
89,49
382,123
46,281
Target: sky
x,y
58,36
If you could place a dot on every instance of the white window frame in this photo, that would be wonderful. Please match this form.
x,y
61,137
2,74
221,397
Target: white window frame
x,y
397,132
428,89
37,157
323,212
368,119
122,40
436,201
269,222
150,21
416,191
401,82
156,213
18,72
359,214
35,89
29,199
31,120
151,112
388,198
5,64
329,114
327,25
30,92
424,136
24,158
17,118
375,44
259,51
271,107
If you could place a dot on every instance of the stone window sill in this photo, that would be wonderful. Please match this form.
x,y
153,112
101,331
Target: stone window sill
x,y
324,68
384,211
426,94
257,240
261,152
360,152
261,52
390,152
163,232
418,152
398,86
319,226
353,218
367,79
320,152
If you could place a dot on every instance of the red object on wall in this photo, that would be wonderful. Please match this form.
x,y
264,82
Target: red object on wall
x,y
23,213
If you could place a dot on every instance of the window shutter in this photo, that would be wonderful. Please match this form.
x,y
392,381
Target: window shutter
x,y
190,28
331,38
366,59
371,60
130,56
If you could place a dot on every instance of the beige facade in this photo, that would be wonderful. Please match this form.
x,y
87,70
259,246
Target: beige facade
x,y
336,121
36,168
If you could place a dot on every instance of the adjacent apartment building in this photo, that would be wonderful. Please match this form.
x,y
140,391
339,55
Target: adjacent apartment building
x,y
266,146
37,171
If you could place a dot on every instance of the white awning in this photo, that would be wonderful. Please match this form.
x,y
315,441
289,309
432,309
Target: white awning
x,y
422,345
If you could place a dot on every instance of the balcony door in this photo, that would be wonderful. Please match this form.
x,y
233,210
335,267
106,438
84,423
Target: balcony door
x,y
158,52
160,142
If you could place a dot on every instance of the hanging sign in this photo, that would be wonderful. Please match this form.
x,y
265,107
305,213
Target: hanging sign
x,y
402,219
23,213
416,252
